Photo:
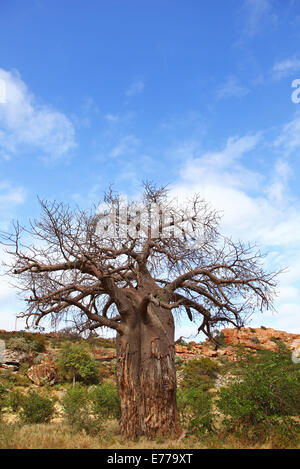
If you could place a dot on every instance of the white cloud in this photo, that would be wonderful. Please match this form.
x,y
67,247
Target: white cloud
x,y
222,167
231,89
136,87
289,137
10,197
26,123
255,207
257,14
126,146
112,117
285,68
223,179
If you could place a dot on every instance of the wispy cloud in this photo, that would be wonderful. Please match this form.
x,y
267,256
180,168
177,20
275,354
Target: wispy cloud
x,y
288,140
27,124
10,196
285,68
126,146
257,14
231,89
135,88
112,117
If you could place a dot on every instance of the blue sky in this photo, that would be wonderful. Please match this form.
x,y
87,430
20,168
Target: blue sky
x,y
197,94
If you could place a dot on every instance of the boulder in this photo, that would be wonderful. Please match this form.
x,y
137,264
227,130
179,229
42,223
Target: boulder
x,y
15,357
44,373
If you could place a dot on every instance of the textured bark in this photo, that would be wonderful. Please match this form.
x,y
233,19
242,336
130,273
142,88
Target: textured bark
x,y
146,377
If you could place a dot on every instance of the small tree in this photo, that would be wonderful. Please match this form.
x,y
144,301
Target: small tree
x,y
130,270
75,362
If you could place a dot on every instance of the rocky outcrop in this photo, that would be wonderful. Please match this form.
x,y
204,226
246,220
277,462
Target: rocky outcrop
x,y
251,339
44,373
14,358
188,352
259,338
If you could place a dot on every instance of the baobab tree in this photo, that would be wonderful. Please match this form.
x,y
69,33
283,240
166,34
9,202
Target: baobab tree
x,y
134,273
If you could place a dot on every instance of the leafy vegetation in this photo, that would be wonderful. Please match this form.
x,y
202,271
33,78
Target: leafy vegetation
x,y
200,372
87,411
76,363
105,401
194,398
265,398
36,408
3,397
15,400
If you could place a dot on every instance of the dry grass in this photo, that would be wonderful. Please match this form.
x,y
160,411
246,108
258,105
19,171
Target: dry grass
x,y
58,436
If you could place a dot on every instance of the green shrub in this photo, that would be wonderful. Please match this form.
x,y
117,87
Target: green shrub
x,y
200,372
194,406
220,338
15,400
193,397
3,397
36,341
77,411
19,344
105,401
106,343
27,342
266,395
36,409
74,403
263,328
76,363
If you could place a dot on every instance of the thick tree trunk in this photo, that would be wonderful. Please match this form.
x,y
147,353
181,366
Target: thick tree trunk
x,y
146,376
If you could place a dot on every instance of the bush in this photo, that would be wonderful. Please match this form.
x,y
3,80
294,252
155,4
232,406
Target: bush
x,y
27,342
105,343
200,372
266,396
15,400
74,402
19,344
76,363
193,397
220,338
105,401
77,412
36,409
36,341
3,397
194,405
